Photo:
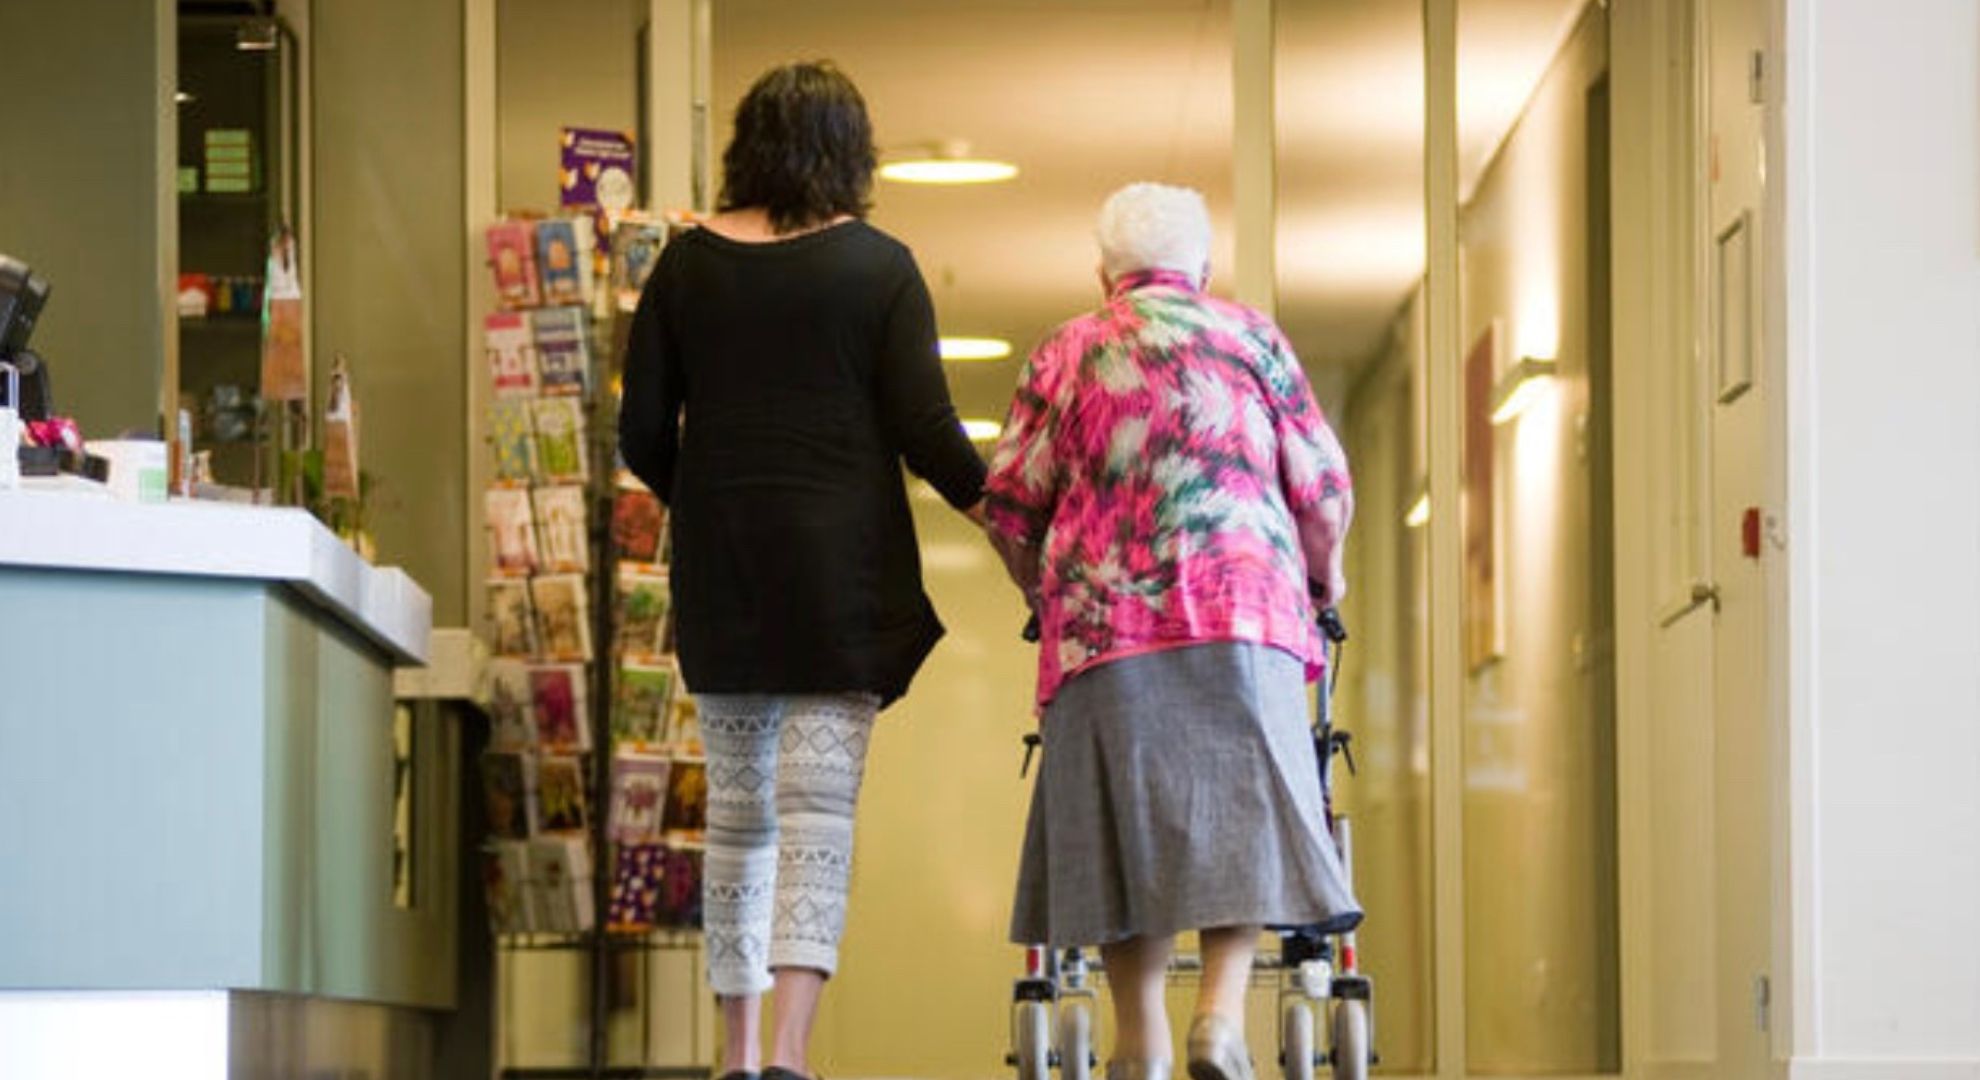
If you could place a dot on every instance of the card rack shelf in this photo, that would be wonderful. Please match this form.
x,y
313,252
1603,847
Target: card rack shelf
x,y
606,948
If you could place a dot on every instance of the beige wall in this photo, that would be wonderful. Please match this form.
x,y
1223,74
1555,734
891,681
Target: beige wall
x,y
86,157
558,63
390,289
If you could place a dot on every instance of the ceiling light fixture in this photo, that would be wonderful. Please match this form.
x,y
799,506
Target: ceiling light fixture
x,y
1520,387
944,163
975,348
982,430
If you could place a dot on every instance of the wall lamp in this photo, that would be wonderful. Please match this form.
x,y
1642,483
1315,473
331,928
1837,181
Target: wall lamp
x,y
1520,387
259,34
1419,511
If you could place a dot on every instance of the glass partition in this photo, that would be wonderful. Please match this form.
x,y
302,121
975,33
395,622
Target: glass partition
x,y
1350,258
1536,602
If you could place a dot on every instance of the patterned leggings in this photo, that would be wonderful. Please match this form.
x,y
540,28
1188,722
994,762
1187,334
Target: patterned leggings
x,y
783,778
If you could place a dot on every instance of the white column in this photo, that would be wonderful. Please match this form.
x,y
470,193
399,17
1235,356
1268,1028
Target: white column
x,y
1882,234
671,77
1254,135
479,173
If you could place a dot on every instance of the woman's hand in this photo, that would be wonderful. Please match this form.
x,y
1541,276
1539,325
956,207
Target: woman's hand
x,y
975,513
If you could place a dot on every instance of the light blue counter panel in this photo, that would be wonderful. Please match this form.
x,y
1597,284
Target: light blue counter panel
x,y
331,925
131,748
199,780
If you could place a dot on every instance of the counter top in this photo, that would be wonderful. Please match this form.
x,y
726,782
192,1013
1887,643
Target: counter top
x,y
69,531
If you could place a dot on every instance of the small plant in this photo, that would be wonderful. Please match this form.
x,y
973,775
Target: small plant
x,y
349,518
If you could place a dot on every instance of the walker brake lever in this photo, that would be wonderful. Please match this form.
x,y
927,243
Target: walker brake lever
x,y
1343,743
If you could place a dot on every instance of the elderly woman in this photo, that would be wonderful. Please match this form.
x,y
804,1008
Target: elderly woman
x,y
782,366
1168,496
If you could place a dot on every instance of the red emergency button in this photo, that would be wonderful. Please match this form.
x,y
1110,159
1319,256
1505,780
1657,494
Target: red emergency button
x,y
1749,533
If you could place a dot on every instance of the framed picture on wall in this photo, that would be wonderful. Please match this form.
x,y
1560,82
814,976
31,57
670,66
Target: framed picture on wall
x,y
1484,614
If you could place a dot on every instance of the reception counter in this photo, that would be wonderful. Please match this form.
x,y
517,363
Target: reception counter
x,y
211,799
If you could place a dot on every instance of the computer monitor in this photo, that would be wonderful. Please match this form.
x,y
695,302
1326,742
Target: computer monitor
x,y
23,293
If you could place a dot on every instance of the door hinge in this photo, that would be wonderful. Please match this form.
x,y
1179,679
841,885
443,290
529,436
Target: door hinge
x,y
1756,77
1763,1000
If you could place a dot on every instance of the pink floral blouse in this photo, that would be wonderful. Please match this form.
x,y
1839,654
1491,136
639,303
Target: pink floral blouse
x,y
1161,456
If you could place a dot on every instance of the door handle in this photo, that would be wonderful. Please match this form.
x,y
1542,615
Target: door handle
x,y
1702,593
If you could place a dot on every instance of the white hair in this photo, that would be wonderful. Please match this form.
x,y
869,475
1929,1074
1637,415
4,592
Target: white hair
x,y
1154,227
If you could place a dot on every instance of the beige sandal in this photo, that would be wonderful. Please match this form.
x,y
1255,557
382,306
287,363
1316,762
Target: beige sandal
x,y
1217,1050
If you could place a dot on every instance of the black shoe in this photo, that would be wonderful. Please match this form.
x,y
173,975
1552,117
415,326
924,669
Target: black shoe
x,y
739,1074
776,1073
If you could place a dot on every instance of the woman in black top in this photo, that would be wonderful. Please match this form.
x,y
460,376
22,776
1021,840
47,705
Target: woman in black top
x,y
781,367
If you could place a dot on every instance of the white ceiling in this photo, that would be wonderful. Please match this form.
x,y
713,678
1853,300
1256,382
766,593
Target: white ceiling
x,y
1087,95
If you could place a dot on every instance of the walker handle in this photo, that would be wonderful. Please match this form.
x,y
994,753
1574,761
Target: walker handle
x,y
1332,626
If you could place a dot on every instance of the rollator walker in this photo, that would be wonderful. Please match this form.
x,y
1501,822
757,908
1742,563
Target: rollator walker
x,y
1321,986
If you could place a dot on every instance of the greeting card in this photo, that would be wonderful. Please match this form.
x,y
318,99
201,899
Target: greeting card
x,y
510,348
560,793
563,539
505,793
557,259
644,599
563,626
505,882
511,531
512,256
635,251
686,816
636,882
640,709
684,725
511,723
512,620
680,888
637,522
559,423
562,356
639,795
557,695
560,880
513,440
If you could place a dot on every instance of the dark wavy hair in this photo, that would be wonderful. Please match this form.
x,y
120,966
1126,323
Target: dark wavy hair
x,y
802,149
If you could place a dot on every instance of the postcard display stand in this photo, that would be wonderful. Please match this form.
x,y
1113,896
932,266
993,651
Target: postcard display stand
x,y
595,779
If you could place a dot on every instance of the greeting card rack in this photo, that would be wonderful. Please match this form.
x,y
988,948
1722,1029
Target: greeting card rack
x,y
595,778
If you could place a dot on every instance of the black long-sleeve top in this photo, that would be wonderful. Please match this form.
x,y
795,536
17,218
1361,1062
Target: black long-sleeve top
x,y
772,391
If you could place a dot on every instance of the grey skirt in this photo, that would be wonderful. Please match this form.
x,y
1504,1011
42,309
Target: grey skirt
x,y
1178,790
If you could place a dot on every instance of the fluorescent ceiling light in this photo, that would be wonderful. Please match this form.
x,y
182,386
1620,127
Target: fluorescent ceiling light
x,y
982,430
975,348
1419,512
947,171
1520,388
